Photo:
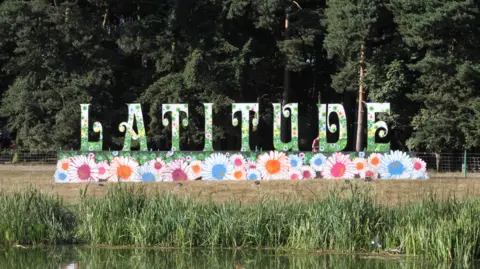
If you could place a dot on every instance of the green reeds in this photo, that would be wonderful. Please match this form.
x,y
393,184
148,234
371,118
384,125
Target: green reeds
x,y
34,218
441,230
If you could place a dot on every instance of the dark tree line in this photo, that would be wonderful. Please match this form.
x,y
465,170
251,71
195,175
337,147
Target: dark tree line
x,y
421,56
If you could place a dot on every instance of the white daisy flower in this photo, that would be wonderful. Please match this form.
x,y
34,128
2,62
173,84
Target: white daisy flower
x,y
82,169
295,174
273,165
317,162
196,167
216,167
178,170
308,172
61,176
238,160
374,160
339,165
103,170
360,165
251,165
295,161
145,173
122,169
64,164
396,165
158,165
254,174
238,174
419,165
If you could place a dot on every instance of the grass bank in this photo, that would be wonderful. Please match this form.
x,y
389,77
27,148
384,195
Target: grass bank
x,y
440,229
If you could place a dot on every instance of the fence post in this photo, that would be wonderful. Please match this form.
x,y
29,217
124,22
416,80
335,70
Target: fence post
x,y
465,164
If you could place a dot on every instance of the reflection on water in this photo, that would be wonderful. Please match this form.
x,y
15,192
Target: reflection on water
x,y
83,257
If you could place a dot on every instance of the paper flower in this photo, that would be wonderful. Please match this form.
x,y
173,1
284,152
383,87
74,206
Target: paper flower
x,y
216,167
122,169
158,165
295,174
273,165
82,169
145,173
254,174
396,165
238,174
63,165
360,165
196,168
295,161
103,170
374,160
419,165
60,176
307,172
317,162
339,165
178,170
238,160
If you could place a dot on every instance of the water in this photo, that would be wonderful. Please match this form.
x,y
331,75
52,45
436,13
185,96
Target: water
x,y
96,258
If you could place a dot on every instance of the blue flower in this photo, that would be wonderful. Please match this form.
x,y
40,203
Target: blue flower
x,y
295,161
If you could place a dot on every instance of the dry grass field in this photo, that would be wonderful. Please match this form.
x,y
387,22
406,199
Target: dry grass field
x,y
17,178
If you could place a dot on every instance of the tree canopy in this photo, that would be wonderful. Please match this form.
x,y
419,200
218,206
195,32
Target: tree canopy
x,y
420,56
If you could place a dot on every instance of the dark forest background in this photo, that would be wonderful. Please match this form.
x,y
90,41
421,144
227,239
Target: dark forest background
x,y
423,57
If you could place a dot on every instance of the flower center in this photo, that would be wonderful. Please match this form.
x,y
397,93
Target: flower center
x,y
375,161
158,165
196,169
318,161
238,162
417,166
148,177
219,171
272,166
360,166
294,176
252,176
64,166
238,174
179,175
395,168
306,174
83,172
293,163
101,170
124,172
338,170
62,176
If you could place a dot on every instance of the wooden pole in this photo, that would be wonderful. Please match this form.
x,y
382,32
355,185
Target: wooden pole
x,y
361,99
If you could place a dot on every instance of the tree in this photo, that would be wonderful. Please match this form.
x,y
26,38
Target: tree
x,y
59,61
353,29
442,37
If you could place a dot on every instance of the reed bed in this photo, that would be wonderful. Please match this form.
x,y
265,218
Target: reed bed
x,y
441,230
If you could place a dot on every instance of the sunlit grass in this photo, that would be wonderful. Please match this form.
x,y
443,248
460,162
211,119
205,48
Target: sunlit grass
x,y
441,230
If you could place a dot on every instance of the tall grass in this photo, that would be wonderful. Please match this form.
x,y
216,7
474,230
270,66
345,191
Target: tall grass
x,y
34,218
439,229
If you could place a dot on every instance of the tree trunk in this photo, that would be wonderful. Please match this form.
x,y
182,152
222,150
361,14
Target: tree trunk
x,y
361,99
105,17
437,161
286,83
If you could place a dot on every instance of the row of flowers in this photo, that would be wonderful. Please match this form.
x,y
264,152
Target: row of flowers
x,y
218,166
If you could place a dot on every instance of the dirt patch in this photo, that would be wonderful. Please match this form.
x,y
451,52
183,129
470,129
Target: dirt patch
x,y
17,178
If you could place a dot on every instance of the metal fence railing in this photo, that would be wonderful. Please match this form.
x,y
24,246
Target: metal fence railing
x,y
28,157
436,163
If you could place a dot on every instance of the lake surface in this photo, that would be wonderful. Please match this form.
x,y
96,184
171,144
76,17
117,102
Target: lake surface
x,y
100,258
